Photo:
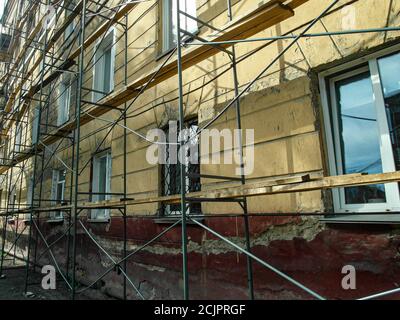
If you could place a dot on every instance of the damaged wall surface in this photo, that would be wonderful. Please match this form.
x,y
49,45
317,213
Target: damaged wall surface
x,y
285,109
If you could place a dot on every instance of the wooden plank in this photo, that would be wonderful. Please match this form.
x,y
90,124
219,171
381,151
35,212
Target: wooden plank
x,y
261,188
64,66
267,188
268,15
50,44
250,25
27,43
19,27
103,28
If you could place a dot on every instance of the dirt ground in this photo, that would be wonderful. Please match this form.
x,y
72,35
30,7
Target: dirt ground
x,y
12,287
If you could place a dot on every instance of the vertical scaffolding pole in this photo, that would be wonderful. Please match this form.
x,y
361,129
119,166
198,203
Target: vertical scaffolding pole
x,y
71,199
5,221
21,177
36,154
242,173
42,168
3,236
125,145
74,209
182,165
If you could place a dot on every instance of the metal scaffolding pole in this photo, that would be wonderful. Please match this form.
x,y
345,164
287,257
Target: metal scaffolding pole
x,y
36,155
74,211
242,173
5,220
262,262
182,165
184,200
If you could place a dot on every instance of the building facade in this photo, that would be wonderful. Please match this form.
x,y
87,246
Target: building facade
x,y
325,107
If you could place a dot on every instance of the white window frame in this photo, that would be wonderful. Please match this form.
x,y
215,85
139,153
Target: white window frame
x,y
327,81
169,28
64,102
98,67
101,214
57,215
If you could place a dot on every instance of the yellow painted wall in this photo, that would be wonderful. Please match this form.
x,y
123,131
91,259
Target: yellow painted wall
x,y
282,106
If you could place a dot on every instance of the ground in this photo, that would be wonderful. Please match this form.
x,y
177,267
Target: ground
x,y
12,287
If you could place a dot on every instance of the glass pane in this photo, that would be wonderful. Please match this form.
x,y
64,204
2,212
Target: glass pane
x,y
167,22
60,187
107,71
389,68
171,174
35,125
359,136
102,178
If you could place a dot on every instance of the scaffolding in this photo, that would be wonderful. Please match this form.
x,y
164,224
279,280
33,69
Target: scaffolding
x,y
23,89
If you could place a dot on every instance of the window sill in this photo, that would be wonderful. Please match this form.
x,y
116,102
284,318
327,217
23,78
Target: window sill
x,y
390,218
98,220
172,220
163,54
55,221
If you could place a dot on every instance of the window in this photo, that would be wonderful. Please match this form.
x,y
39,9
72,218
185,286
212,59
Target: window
x,y
64,102
101,183
363,131
35,122
104,59
70,28
29,202
18,138
171,171
13,200
29,193
58,189
3,149
169,27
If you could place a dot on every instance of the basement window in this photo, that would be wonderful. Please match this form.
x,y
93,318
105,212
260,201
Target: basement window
x,y
64,102
169,28
101,183
362,120
171,171
103,71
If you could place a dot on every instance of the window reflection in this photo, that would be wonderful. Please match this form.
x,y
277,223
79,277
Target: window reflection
x,y
389,68
359,136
